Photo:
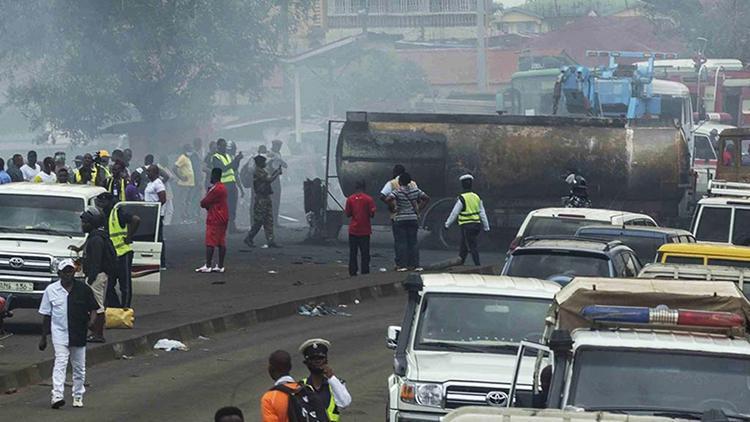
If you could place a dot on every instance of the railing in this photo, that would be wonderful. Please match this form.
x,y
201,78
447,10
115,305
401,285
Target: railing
x,y
400,7
404,21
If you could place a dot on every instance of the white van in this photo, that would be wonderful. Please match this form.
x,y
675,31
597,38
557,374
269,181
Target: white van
x,y
724,218
39,222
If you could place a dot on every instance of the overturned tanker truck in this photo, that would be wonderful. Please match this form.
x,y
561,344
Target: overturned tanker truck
x,y
519,163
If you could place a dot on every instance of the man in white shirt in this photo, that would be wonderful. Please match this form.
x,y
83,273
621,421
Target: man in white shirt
x,y
31,168
157,192
69,308
47,175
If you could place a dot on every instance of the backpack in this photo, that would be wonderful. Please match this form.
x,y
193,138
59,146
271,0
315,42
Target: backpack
x,y
304,405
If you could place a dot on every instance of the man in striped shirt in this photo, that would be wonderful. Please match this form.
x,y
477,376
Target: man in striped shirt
x,y
406,202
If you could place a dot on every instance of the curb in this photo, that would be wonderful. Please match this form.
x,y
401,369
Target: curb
x,y
36,373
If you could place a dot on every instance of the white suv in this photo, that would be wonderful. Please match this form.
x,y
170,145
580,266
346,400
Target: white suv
x,y
39,222
458,342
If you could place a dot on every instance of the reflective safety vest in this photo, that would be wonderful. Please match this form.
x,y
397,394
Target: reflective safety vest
x,y
470,213
117,234
332,410
227,176
107,173
93,176
121,190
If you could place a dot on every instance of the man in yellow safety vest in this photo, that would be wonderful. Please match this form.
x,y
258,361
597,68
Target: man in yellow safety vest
x,y
224,161
330,390
472,218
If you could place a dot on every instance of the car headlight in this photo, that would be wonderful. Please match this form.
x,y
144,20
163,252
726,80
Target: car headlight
x,y
422,394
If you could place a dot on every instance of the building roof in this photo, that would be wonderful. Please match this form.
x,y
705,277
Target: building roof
x,y
605,33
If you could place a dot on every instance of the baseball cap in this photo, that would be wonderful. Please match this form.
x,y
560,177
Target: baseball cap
x,y
65,263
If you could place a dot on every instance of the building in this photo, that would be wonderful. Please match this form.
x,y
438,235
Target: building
x,y
540,16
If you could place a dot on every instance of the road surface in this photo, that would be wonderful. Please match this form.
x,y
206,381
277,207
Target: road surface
x,y
229,369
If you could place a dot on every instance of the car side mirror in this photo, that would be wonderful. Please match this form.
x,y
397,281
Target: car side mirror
x,y
392,337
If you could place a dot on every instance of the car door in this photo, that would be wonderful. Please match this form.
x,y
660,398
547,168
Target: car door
x,y
146,274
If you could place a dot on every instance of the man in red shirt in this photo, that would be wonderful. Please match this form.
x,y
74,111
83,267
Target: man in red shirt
x,y
215,202
360,208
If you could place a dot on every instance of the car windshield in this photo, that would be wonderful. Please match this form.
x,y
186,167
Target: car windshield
x,y
479,323
546,226
21,213
545,264
681,380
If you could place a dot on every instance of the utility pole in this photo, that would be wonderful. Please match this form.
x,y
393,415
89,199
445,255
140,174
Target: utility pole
x,y
481,48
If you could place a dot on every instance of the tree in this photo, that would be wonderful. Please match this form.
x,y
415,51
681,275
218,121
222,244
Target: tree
x,y
80,65
721,22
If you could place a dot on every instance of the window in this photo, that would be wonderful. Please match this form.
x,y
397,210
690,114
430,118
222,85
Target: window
x,y
544,264
632,265
627,268
690,260
741,228
729,263
745,152
703,150
727,156
53,215
713,225
546,226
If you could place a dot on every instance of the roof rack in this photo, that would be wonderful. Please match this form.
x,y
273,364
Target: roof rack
x,y
724,188
609,243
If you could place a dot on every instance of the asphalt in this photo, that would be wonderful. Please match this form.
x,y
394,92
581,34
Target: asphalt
x,y
254,279
228,369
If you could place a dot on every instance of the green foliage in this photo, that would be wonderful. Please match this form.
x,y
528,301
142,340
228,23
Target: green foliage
x,y
373,79
83,64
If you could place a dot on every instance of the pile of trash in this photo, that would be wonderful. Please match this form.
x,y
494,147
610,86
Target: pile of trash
x,y
321,309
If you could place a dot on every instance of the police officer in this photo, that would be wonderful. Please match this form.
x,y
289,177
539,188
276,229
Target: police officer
x,y
224,161
471,216
330,390
262,203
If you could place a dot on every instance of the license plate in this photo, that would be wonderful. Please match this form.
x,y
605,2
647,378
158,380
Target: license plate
x,y
16,286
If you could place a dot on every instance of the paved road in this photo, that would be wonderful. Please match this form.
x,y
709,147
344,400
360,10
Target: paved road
x,y
229,369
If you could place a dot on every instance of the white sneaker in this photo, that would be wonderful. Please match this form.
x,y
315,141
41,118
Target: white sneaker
x,y
77,401
419,269
402,269
217,269
203,269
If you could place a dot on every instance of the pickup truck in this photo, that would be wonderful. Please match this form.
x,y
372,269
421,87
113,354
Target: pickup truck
x,y
39,222
457,344
645,347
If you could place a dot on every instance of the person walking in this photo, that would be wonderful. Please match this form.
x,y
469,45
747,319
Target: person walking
x,y
31,168
98,264
360,207
68,308
14,168
262,204
406,202
183,169
276,162
329,390
156,192
47,175
217,220
4,176
388,188
121,226
472,218
222,160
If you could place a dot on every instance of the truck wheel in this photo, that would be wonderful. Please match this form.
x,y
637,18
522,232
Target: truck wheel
x,y
433,220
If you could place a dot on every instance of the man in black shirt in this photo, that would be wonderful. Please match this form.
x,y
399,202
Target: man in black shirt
x,y
68,308
98,264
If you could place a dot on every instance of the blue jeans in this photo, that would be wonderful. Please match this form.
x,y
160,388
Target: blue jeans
x,y
405,236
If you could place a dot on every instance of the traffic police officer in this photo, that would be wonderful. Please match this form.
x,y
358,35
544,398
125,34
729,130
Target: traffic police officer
x,y
330,390
471,219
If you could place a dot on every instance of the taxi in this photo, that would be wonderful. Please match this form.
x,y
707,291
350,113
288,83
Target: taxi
x,y
704,254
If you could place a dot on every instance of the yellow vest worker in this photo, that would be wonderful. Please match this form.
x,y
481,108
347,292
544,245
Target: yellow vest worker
x,y
330,390
472,218
79,176
227,174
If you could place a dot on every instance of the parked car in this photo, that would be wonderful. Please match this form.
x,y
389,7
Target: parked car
x,y
704,254
645,241
725,218
566,221
562,258
737,275
458,342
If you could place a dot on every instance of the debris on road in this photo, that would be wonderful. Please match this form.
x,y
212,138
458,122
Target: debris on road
x,y
312,310
382,270
272,272
125,357
11,391
169,345
356,301
218,282
203,338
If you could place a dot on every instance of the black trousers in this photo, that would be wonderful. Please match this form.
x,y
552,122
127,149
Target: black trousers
x,y
122,278
469,234
359,244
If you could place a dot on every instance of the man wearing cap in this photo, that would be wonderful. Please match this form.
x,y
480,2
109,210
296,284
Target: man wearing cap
x,y
262,203
98,264
330,390
472,218
68,307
